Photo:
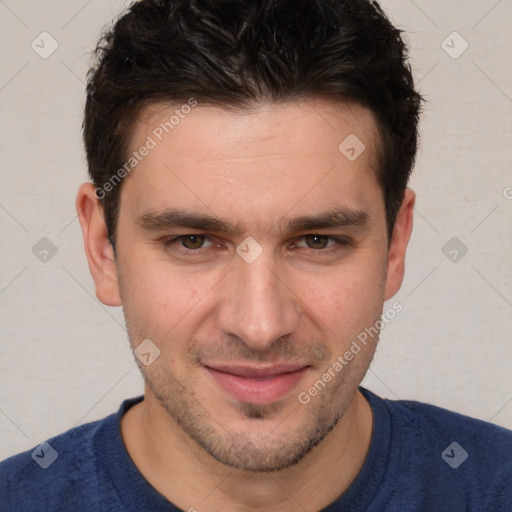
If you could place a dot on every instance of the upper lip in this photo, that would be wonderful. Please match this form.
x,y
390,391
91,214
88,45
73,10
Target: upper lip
x,y
257,371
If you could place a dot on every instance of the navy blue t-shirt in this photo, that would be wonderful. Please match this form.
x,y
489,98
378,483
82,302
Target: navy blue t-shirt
x,y
421,458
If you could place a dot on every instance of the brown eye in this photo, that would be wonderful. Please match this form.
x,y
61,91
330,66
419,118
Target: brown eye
x,y
189,245
192,241
322,245
317,241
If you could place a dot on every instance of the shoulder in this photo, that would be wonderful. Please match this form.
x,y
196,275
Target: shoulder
x,y
434,422
454,456
60,470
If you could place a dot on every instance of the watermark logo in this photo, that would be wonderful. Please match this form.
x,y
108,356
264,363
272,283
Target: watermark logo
x,y
44,45
454,45
45,455
146,352
249,250
454,455
352,147
454,249
44,249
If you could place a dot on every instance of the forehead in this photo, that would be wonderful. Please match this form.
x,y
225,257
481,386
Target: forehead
x,y
259,125
260,161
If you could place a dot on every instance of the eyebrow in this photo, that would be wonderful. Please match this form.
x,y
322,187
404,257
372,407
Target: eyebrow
x,y
175,218
334,218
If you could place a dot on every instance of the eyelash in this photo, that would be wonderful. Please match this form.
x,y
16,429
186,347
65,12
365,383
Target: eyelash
x,y
341,241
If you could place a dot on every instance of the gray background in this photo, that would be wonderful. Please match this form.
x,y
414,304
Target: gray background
x,y
65,357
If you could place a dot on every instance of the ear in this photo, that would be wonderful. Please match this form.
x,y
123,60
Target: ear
x,y
397,248
98,250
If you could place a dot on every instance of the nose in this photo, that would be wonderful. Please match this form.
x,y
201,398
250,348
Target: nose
x,y
258,304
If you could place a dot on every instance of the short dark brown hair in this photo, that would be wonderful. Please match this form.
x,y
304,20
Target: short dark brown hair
x,y
237,53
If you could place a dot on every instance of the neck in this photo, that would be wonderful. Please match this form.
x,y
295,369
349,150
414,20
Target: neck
x,y
190,478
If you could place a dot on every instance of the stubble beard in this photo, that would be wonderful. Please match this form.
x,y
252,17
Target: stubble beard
x,y
247,450
273,450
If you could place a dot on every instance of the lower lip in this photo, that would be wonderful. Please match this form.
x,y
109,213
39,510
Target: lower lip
x,y
257,391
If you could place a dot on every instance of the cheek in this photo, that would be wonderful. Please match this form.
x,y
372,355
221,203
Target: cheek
x,y
162,300
346,300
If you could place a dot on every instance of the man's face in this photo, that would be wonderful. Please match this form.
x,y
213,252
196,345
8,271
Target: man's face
x,y
243,324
